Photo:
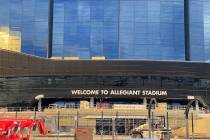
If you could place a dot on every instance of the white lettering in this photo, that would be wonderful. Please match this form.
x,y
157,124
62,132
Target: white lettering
x,y
154,93
85,92
121,92
104,92
125,92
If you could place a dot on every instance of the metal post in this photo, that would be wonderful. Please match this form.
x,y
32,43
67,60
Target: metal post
x,y
187,114
149,114
76,119
102,125
192,127
125,126
177,118
116,133
149,127
113,128
168,125
164,121
92,102
39,98
35,114
58,131
197,105
40,105
133,124
152,125
34,128
187,127
145,102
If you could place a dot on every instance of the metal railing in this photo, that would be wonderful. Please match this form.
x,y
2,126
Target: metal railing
x,y
77,106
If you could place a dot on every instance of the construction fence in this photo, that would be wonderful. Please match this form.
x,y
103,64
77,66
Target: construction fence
x,y
114,124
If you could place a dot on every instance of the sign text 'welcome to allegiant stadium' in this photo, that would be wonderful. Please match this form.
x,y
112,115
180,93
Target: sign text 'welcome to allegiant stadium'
x,y
114,92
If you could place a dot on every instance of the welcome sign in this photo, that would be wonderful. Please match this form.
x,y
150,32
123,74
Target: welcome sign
x,y
117,92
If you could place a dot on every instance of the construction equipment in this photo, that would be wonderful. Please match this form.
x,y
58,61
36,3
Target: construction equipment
x,y
20,129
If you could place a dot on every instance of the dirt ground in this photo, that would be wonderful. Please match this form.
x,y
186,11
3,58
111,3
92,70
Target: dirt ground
x,y
52,138
96,138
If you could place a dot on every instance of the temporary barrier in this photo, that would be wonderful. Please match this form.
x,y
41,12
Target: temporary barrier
x,y
16,129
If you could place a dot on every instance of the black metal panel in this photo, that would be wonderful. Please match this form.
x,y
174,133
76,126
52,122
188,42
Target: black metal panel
x,y
22,77
24,89
25,65
50,27
187,29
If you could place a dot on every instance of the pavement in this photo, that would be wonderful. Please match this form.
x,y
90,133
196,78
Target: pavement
x,y
95,138
51,138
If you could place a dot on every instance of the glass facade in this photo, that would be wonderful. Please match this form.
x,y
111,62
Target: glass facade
x,y
200,30
119,29
86,28
28,19
152,29
115,29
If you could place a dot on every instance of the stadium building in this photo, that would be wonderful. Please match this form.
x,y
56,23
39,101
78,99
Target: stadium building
x,y
114,51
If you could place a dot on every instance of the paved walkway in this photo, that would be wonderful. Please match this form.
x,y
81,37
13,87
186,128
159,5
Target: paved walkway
x,y
96,138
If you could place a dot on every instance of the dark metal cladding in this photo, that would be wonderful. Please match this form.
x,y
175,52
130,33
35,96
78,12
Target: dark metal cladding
x,y
22,77
187,29
17,65
50,28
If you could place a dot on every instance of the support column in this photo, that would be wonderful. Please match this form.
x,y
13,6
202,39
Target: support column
x,y
92,102
145,102
40,105
39,99
197,105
